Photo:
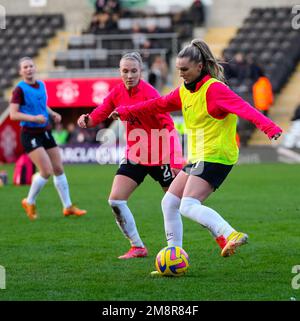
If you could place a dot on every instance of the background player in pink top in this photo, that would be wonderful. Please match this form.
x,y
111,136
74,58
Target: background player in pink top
x,y
208,105
163,166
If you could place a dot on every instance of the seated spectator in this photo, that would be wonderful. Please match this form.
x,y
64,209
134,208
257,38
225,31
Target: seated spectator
x,y
94,23
60,134
262,93
152,28
102,23
138,37
105,23
158,73
114,18
240,67
80,137
77,135
113,7
196,12
145,52
254,68
100,6
228,70
72,133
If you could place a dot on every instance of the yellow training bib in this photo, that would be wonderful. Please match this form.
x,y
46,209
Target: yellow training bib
x,y
209,139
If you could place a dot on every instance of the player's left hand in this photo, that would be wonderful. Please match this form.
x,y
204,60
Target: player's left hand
x,y
275,137
175,171
56,117
114,115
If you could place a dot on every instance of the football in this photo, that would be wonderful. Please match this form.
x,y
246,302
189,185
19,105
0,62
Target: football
x,y
172,261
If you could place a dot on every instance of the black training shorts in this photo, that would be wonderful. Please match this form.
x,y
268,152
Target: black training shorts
x,y
33,140
213,173
138,172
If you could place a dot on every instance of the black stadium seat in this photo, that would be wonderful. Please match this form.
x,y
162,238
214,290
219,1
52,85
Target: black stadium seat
x,y
30,51
13,42
258,46
2,43
13,72
245,47
17,53
266,35
25,41
47,32
42,22
5,82
18,22
24,36
252,36
8,33
39,41
21,32
261,25
56,21
274,45
279,35
271,39
267,16
31,21
266,57
268,38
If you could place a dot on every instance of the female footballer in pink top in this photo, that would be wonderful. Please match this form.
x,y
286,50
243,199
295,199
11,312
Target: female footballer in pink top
x,y
162,164
210,111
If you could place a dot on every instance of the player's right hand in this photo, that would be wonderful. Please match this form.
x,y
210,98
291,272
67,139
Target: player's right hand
x,y
83,121
114,115
40,119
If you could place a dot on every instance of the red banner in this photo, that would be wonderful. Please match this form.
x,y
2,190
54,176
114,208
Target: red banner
x,y
10,145
71,93
83,92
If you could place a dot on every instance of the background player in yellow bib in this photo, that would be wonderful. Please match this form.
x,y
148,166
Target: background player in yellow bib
x,y
210,111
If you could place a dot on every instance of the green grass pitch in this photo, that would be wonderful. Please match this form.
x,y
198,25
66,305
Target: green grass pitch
x,y
58,258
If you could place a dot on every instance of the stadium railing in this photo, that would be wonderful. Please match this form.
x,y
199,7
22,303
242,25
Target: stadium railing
x,y
94,51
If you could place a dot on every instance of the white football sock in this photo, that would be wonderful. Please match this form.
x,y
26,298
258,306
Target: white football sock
x,y
125,221
37,184
193,209
62,187
172,219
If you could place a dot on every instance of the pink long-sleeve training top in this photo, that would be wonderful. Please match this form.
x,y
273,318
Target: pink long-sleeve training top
x,y
220,99
142,134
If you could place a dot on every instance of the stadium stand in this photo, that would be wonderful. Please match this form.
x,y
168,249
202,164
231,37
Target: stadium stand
x,y
267,36
266,40
149,33
24,35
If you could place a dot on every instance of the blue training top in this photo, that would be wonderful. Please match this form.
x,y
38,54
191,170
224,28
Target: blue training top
x,y
35,103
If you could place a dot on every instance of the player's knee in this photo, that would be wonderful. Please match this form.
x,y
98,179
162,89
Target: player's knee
x,y
57,171
170,202
187,204
46,173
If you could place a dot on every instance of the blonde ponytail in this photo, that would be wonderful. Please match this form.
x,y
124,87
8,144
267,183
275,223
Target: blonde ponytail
x,y
198,51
